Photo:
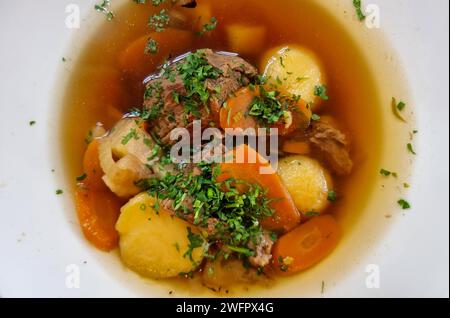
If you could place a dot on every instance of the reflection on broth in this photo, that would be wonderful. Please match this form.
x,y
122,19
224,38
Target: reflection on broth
x,y
338,110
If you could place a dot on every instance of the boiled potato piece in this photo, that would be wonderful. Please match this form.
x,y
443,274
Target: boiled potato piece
x,y
245,39
307,182
221,274
153,243
297,69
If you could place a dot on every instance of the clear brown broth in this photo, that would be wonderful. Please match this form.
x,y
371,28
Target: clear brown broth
x,y
99,90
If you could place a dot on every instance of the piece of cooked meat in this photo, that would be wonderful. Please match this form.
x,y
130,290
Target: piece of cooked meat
x,y
187,3
333,145
263,251
165,92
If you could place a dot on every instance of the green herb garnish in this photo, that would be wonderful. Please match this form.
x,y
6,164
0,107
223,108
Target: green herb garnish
x,y
411,149
359,12
151,47
311,214
404,204
332,196
160,21
211,26
131,135
195,241
105,8
388,173
321,91
397,108
237,214
315,117
82,177
269,107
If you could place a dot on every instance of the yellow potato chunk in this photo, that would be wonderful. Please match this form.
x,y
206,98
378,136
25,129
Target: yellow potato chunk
x,y
307,182
296,69
245,39
154,243
221,274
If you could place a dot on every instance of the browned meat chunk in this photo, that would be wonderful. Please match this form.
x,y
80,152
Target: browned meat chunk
x,y
333,145
165,91
236,73
187,3
263,251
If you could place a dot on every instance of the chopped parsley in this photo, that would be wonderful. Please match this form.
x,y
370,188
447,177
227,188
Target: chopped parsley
x,y
89,137
311,214
397,108
59,192
151,47
32,123
195,241
411,149
405,205
321,91
269,107
131,135
332,196
359,12
154,2
159,21
388,173
105,8
209,26
315,117
194,73
201,198
82,177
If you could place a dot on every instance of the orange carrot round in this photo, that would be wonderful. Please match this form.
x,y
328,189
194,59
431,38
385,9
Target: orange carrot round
x,y
286,215
171,42
234,113
305,246
97,207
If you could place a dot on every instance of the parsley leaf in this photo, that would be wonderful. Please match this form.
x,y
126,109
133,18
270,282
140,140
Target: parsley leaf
x,y
151,47
159,21
195,241
411,149
358,9
404,204
321,91
105,8
209,26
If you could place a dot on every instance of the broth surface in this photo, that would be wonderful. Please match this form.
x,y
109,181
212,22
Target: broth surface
x,y
100,91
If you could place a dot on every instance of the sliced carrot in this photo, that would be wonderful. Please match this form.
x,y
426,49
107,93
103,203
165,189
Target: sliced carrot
x,y
170,42
234,112
97,207
305,246
92,168
296,147
286,215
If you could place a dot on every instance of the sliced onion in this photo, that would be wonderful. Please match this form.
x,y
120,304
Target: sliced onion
x,y
125,163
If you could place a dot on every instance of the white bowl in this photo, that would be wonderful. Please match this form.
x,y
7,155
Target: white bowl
x,y
40,238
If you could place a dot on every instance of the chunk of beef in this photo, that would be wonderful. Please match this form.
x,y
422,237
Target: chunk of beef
x,y
333,145
263,251
165,88
236,73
